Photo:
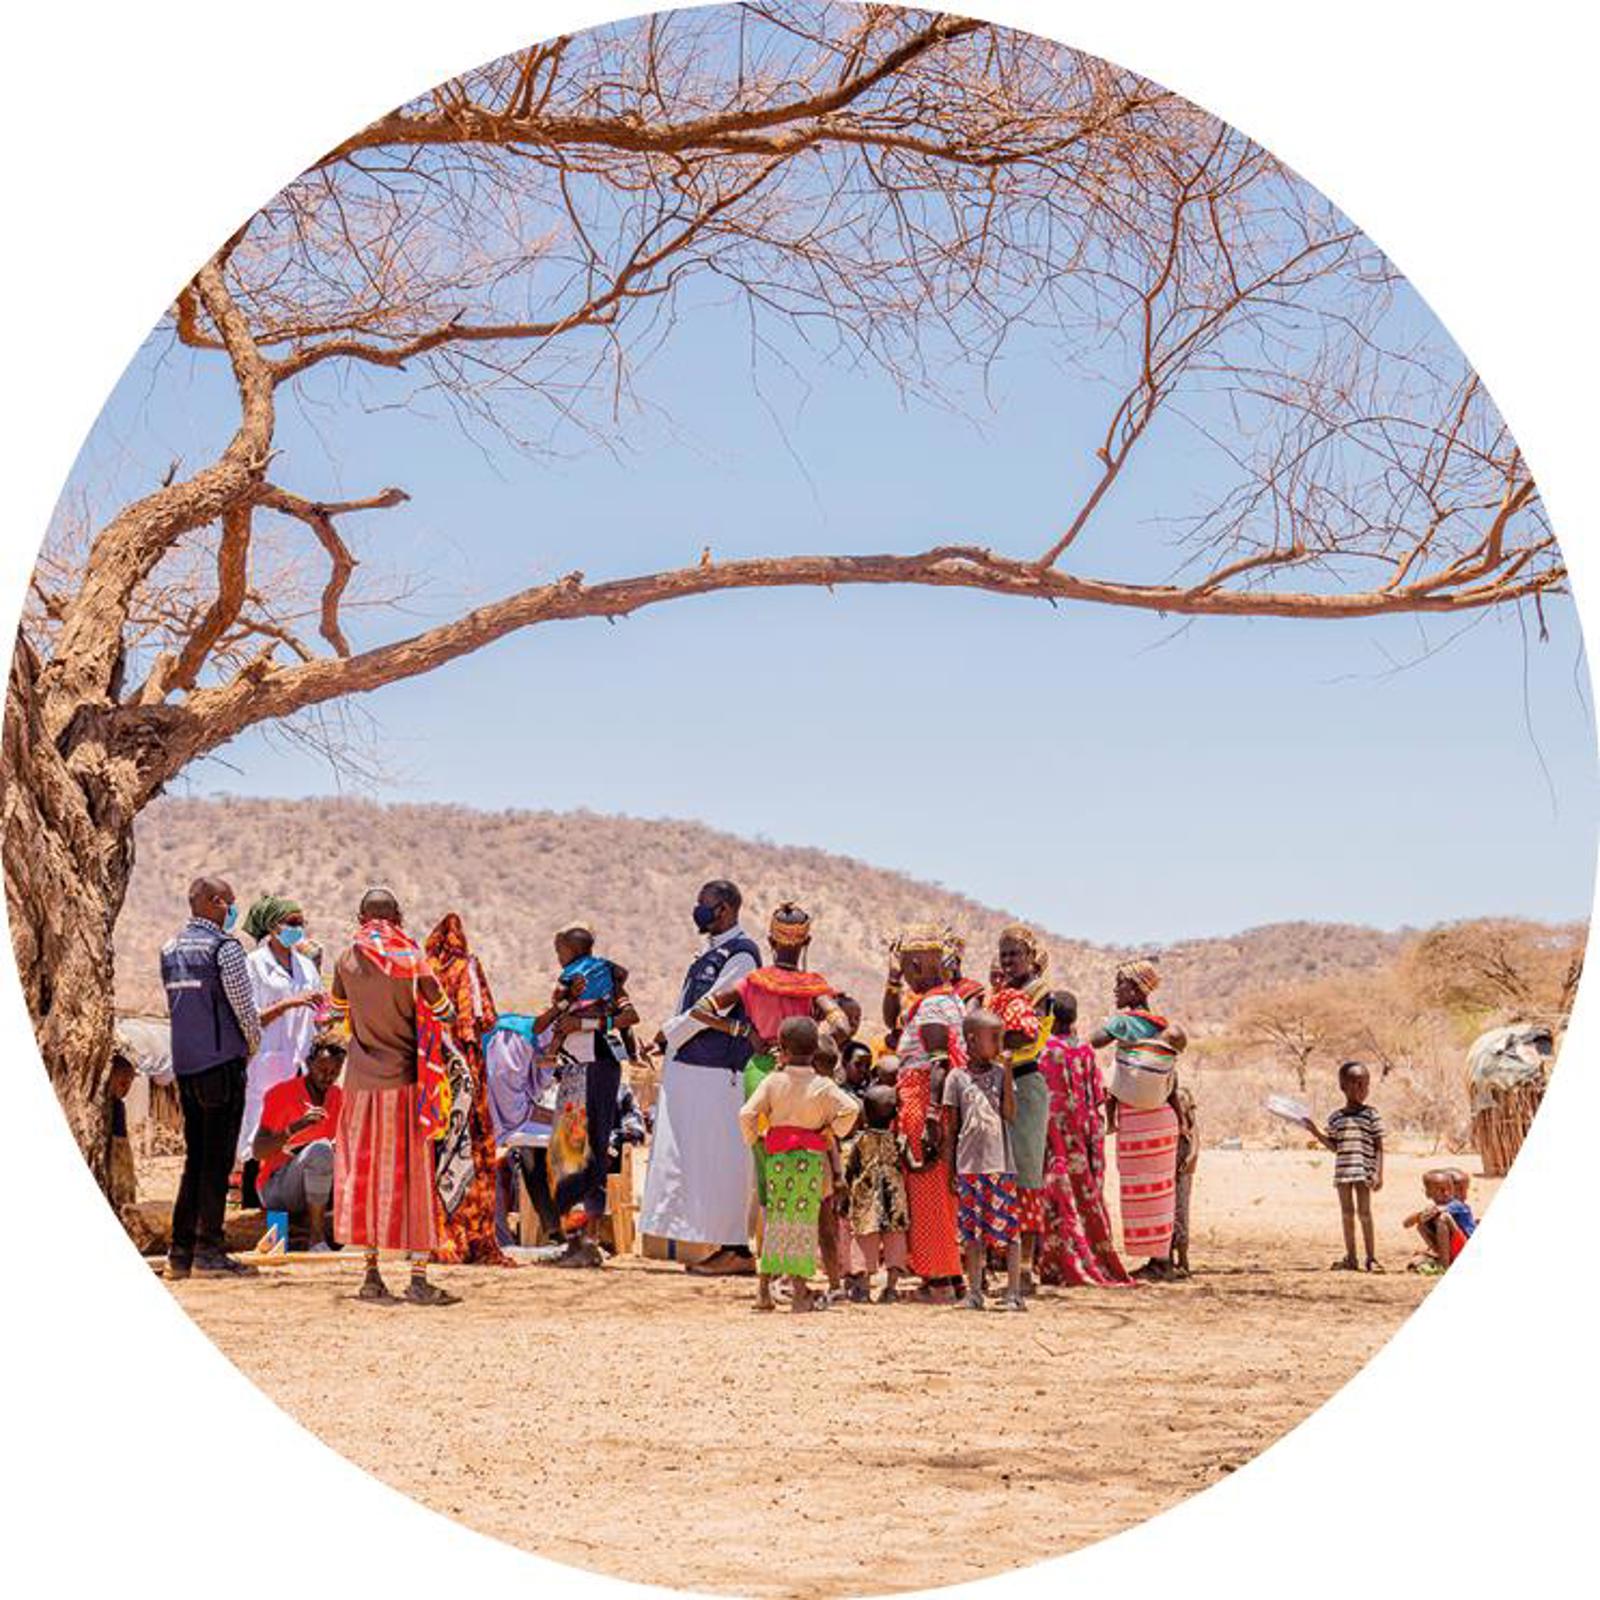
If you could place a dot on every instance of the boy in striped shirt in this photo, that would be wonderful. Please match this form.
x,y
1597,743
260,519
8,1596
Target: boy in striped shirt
x,y
1355,1135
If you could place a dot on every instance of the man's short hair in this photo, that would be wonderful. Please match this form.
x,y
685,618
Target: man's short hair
x,y
206,888
723,892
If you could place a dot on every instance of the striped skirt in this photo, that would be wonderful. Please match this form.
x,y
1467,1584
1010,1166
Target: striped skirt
x,y
383,1190
1147,1164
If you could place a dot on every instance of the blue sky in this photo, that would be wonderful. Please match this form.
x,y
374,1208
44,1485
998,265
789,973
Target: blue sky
x,y
1103,772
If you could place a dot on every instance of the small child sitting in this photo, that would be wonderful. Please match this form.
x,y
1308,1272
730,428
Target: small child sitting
x,y
875,1216
1446,1223
987,1207
1355,1135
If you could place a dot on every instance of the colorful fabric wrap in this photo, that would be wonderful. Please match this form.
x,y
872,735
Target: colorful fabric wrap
x,y
394,952
794,1181
1142,1077
1147,1165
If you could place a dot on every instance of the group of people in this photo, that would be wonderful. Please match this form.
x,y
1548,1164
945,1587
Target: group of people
x,y
972,1130
388,1105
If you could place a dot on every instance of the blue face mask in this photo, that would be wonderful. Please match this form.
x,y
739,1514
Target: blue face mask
x,y
229,917
290,935
704,916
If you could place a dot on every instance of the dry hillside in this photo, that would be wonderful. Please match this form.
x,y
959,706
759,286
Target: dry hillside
x,y
514,876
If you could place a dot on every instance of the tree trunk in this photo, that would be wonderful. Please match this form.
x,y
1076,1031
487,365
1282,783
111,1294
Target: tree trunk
x,y
68,856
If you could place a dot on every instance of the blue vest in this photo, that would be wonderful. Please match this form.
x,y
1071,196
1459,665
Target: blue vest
x,y
205,1032
710,1047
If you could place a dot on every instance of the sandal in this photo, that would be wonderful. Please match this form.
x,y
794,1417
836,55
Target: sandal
x,y
1344,1264
970,1302
1374,1264
1011,1302
419,1292
376,1291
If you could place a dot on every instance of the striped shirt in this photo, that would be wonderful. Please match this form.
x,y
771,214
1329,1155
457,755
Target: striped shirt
x,y
1357,1137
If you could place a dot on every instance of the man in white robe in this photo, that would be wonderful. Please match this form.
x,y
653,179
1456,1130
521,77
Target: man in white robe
x,y
699,1184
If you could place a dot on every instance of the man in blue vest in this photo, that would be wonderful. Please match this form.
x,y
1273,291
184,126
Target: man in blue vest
x,y
698,1187
215,1031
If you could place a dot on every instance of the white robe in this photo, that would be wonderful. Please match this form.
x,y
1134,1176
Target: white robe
x,y
701,1177
285,1041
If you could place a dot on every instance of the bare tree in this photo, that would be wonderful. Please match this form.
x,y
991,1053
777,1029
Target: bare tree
x,y
900,188
1488,970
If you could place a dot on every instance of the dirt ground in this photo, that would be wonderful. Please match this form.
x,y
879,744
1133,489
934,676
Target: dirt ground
x,y
649,1425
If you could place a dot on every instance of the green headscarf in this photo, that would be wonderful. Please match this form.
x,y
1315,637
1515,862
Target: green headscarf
x,y
267,913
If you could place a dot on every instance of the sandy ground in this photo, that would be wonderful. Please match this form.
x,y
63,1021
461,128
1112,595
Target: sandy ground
x,y
647,1424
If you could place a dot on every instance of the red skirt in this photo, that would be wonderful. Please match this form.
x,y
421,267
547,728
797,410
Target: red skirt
x,y
383,1189
935,1248
1147,1162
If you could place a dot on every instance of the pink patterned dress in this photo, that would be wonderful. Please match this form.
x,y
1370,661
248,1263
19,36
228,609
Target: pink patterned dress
x,y
1076,1246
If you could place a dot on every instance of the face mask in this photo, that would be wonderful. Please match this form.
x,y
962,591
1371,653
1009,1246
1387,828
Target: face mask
x,y
231,917
704,916
290,935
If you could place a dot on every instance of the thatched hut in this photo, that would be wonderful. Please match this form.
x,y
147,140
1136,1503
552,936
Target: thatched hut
x,y
1507,1070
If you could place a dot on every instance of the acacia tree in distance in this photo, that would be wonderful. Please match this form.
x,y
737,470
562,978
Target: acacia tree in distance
x,y
901,188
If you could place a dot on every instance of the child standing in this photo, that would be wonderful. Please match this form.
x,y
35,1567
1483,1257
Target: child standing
x,y
1188,1159
802,1109
984,1097
1355,1135
875,1215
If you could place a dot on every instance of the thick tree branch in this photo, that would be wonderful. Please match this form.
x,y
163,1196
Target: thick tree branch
x,y
90,640
211,716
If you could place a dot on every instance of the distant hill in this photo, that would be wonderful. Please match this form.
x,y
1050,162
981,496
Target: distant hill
x,y
515,875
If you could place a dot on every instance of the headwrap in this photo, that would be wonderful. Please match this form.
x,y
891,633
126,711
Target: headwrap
x,y
790,926
462,978
265,915
954,948
1024,935
1141,971
923,936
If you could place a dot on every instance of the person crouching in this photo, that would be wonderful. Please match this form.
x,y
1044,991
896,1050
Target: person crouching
x,y
802,1110
294,1140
